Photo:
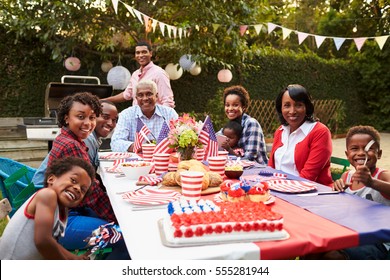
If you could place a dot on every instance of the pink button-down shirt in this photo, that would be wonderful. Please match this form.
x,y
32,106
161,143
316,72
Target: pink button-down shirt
x,y
156,74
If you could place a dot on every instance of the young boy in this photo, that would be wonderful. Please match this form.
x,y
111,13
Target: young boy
x,y
368,181
34,230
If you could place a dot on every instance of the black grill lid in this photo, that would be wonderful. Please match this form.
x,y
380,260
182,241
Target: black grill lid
x,y
55,91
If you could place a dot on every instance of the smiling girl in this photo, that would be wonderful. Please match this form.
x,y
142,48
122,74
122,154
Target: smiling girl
x,y
34,230
236,100
302,145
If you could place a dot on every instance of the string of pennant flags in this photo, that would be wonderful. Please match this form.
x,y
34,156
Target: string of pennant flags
x,y
174,31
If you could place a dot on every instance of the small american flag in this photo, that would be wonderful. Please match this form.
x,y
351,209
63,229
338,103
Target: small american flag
x,y
140,133
162,140
208,138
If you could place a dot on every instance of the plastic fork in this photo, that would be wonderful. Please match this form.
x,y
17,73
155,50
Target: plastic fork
x,y
366,149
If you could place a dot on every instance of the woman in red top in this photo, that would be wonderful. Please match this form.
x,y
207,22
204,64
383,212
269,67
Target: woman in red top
x,y
302,145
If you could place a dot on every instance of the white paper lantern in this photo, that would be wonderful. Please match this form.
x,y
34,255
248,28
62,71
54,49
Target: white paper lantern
x,y
196,70
106,66
118,77
72,63
186,63
174,71
225,76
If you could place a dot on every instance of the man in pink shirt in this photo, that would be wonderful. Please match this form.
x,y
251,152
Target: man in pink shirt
x,y
148,71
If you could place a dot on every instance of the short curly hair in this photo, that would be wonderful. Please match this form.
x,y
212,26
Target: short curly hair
x,y
60,166
241,92
85,98
363,129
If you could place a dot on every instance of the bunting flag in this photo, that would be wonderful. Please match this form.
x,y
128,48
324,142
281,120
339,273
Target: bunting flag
x,y
208,138
338,42
243,28
258,28
141,131
381,40
319,40
173,30
359,42
162,145
302,36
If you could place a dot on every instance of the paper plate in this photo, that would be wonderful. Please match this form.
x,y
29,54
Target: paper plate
x,y
218,198
291,186
151,196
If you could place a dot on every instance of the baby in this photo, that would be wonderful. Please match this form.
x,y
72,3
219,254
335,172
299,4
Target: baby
x,y
233,131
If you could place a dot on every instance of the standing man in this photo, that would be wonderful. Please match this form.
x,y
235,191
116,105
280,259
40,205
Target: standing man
x,y
148,71
151,114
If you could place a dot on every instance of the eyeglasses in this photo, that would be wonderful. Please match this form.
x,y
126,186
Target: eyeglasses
x,y
143,95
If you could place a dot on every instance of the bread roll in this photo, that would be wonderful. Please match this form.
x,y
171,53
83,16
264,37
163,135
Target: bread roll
x,y
215,179
169,179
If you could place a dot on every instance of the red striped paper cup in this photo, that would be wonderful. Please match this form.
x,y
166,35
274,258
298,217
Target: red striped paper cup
x,y
217,164
147,151
223,153
161,163
191,184
200,152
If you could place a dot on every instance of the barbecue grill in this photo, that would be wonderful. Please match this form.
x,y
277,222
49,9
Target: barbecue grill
x,y
46,128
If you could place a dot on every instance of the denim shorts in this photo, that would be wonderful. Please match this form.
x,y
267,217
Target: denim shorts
x,y
367,252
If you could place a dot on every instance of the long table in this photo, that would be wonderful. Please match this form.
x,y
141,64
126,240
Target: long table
x,y
315,224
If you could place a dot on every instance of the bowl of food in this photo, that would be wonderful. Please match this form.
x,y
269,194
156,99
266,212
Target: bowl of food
x,y
133,170
234,171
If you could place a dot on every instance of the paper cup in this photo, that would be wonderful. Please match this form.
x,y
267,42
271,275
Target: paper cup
x,y
217,164
200,152
147,151
223,153
191,184
161,163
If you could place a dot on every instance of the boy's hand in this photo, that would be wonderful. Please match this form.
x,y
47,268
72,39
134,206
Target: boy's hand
x,y
226,145
362,175
339,185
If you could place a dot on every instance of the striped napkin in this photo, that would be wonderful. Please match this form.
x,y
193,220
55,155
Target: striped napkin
x,y
113,156
150,180
291,186
116,166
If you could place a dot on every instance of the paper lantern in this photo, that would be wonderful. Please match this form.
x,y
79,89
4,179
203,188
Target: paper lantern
x,y
186,63
72,63
196,70
106,66
118,77
225,76
174,71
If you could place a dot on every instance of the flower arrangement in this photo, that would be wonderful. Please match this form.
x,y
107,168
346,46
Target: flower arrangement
x,y
183,135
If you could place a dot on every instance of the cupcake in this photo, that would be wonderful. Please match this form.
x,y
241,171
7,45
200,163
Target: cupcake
x,y
236,193
225,187
259,192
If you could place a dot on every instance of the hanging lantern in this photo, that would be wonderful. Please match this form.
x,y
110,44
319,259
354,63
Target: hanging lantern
x,y
106,66
186,63
225,76
118,77
174,71
72,63
196,70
